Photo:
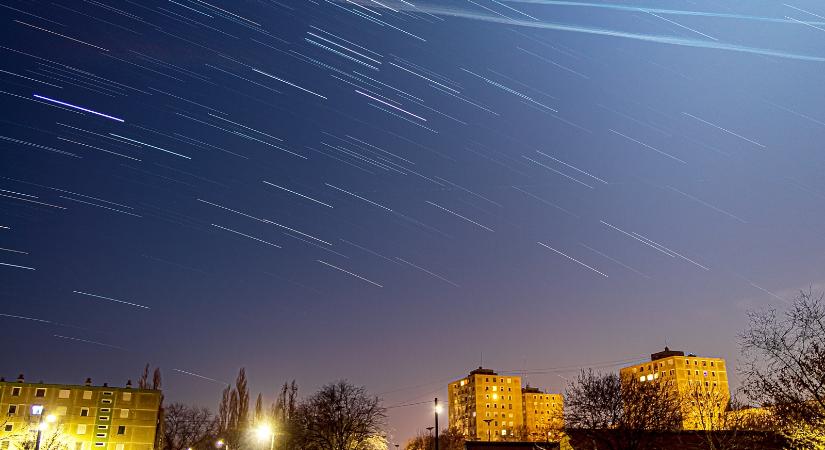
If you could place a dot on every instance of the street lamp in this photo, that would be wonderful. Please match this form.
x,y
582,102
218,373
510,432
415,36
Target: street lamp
x,y
430,431
487,421
264,432
437,410
222,444
41,426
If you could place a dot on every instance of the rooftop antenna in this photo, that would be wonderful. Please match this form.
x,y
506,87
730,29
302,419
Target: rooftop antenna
x,y
481,359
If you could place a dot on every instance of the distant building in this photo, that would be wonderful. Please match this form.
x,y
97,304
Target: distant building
x,y
543,414
78,417
701,384
488,406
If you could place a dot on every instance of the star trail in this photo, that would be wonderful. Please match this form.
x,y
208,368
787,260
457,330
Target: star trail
x,y
384,190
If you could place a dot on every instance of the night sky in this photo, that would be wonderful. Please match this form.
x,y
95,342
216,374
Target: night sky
x,y
394,191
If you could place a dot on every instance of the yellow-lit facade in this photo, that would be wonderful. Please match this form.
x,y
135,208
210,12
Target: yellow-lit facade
x,y
543,414
694,379
78,417
485,405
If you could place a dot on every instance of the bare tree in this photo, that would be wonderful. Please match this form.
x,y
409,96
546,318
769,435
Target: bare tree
x,y
156,379
340,416
784,366
143,381
283,414
188,427
448,439
616,413
52,437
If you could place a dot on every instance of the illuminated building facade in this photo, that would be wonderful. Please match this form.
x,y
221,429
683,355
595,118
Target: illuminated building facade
x,y
700,383
78,417
485,405
543,414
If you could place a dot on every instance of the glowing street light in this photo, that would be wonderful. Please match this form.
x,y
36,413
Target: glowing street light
x,y
437,410
221,444
263,432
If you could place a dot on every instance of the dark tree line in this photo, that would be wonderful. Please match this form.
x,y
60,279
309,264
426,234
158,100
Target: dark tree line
x,y
340,416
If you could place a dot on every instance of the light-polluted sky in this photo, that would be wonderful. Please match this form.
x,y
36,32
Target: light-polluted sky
x,y
395,192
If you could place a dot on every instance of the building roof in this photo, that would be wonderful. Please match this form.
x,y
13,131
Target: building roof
x,y
482,371
666,353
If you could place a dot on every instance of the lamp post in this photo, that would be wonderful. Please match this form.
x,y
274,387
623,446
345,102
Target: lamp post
x,y
430,431
41,427
437,410
487,421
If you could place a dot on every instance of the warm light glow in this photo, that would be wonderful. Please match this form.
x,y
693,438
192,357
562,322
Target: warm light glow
x,y
42,426
37,410
51,418
438,409
220,443
263,431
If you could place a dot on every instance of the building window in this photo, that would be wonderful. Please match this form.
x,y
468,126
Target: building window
x,y
84,412
12,409
106,401
8,427
81,428
103,427
64,393
87,395
15,391
128,396
99,444
40,392
107,393
103,418
105,409
124,413
100,435
60,411
121,429
119,447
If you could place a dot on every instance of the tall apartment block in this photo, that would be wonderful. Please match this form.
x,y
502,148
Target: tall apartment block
x,y
692,378
78,417
488,406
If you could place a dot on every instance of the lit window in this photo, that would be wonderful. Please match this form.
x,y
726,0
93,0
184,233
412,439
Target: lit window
x,y
495,396
124,413
64,393
504,432
642,378
37,410
81,428
649,377
127,396
495,388
119,447
87,395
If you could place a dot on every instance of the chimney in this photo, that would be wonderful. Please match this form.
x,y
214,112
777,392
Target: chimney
x,y
105,384
20,378
129,383
88,382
